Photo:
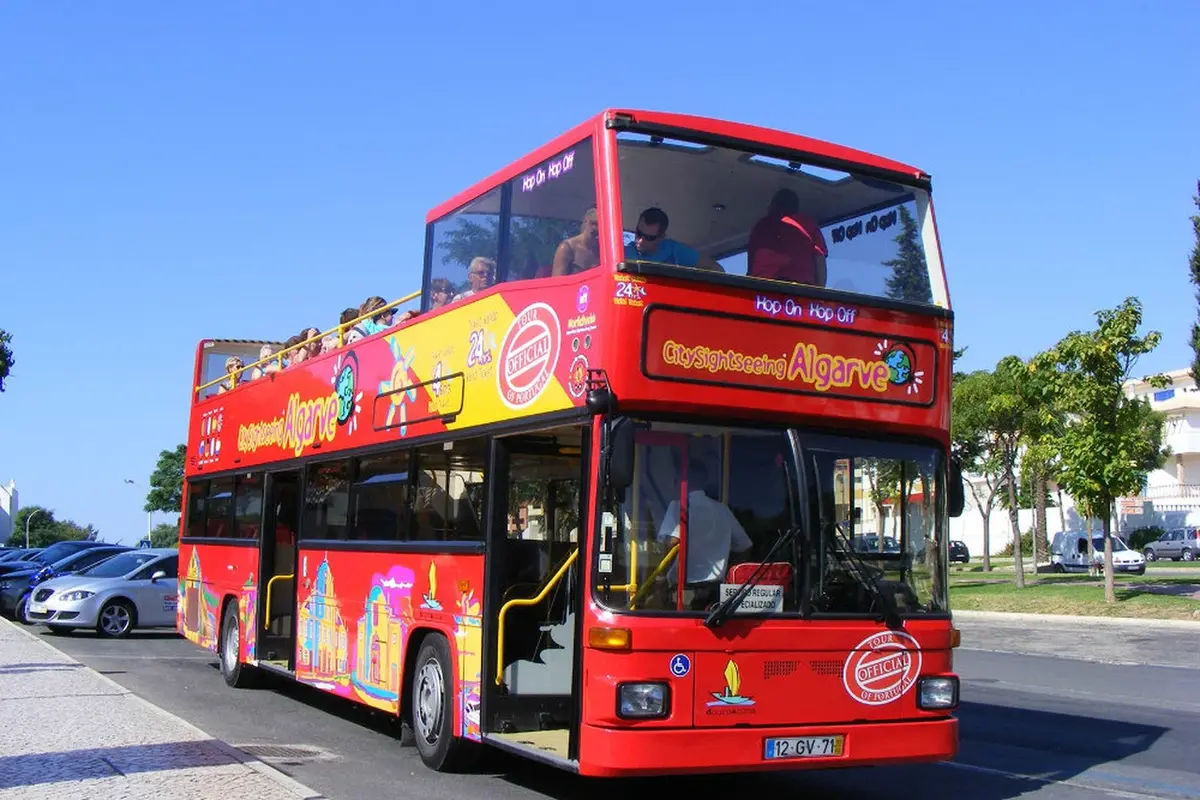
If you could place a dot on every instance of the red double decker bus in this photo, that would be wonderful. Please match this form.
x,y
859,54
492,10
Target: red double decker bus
x,y
657,481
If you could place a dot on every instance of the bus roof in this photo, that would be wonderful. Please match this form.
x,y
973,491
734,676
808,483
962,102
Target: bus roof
x,y
682,125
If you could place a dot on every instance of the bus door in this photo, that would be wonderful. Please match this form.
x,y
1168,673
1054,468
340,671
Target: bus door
x,y
277,570
533,585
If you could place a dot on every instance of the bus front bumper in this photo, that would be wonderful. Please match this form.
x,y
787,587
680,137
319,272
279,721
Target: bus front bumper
x,y
612,752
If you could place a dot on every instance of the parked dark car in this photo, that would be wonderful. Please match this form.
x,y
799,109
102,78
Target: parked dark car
x,y
1175,544
18,553
15,587
959,552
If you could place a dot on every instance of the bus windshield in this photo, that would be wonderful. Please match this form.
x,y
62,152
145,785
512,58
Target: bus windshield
x,y
715,503
745,213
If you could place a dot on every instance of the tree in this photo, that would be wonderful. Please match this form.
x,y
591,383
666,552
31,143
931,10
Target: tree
x,y
45,530
166,482
910,274
1109,441
531,242
6,356
165,534
1195,273
972,443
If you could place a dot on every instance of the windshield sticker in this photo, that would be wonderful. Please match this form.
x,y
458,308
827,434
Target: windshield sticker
x,y
730,700
882,667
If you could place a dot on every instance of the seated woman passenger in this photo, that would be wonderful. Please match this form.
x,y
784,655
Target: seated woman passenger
x,y
440,292
266,351
350,333
581,251
233,370
310,348
650,244
481,273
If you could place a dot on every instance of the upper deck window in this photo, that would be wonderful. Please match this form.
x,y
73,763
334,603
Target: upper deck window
x,y
752,214
541,222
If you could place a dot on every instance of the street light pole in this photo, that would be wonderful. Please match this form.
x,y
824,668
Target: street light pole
x,y
33,514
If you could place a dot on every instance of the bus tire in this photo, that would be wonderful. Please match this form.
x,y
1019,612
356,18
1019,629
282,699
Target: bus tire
x,y
433,707
235,673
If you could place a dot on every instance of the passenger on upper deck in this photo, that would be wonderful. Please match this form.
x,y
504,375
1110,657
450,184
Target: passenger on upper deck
x,y
650,244
581,251
233,368
441,291
266,351
481,273
787,245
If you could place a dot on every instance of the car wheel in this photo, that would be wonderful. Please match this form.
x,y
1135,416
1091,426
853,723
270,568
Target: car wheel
x,y
433,707
1188,555
117,619
1149,555
1058,568
20,613
235,673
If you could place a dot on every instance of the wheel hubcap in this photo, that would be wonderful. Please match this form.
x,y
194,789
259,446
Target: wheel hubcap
x,y
116,619
231,646
429,703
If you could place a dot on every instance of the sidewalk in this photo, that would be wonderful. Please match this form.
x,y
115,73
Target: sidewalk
x,y
67,731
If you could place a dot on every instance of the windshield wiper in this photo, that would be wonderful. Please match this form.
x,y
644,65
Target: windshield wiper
x,y
718,615
891,614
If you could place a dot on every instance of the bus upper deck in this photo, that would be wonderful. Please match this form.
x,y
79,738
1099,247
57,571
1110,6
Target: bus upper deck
x,y
687,264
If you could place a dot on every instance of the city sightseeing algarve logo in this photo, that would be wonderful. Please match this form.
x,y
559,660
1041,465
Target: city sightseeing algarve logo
x,y
901,362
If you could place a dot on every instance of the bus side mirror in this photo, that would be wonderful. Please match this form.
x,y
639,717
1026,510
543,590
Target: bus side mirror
x,y
955,495
619,455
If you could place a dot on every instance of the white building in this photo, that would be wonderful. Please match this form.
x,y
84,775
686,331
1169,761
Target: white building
x,y
1172,495
9,505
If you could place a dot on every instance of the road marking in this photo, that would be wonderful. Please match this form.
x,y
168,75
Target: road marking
x,y
1091,787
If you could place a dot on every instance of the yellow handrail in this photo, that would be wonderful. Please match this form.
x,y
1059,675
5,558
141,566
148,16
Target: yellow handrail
x,y
267,614
654,573
340,328
527,601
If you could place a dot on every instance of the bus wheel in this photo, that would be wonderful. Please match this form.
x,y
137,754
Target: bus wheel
x,y
433,707
235,673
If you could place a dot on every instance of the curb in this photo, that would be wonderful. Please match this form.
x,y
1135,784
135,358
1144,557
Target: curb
x,y
1127,622
289,783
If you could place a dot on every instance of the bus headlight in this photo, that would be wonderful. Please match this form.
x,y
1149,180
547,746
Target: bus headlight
x,y
937,693
643,700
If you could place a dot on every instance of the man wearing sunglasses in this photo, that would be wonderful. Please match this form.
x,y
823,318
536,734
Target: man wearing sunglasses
x,y
650,243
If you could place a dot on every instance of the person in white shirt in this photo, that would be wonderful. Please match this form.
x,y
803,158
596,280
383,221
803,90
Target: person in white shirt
x,y
712,533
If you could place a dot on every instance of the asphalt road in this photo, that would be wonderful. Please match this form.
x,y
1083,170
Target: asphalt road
x,y
1031,726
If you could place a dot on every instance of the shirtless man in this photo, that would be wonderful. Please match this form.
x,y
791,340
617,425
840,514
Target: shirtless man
x,y
581,251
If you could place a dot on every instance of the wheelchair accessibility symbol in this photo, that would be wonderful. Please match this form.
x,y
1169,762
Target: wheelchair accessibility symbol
x,y
681,665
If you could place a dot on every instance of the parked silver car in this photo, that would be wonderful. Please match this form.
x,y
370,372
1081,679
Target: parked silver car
x,y
1175,544
136,589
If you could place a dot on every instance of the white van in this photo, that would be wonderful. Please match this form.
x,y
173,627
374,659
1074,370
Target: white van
x,y
1069,553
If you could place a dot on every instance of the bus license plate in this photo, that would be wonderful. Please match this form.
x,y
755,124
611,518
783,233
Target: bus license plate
x,y
805,747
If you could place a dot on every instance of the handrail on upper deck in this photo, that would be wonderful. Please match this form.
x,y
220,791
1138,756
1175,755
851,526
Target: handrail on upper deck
x,y
341,327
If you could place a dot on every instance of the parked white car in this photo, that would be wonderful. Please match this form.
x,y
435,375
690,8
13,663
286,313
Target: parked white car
x,y
1069,553
136,589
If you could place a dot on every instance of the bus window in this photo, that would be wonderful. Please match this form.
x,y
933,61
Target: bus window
x,y
779,219
219,516
554,221
197,500
326,493
465,247
380,498
449,499
248,505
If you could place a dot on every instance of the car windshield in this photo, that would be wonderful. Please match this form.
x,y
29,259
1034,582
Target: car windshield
x,y
1117,544
120,565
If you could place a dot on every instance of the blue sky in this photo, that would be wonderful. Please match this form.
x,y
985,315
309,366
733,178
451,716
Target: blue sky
x,y
172,172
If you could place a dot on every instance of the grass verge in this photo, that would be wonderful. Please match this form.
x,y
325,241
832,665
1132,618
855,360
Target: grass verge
x,y
1143,597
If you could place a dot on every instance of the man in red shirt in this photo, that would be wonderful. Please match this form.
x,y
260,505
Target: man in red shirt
x,y
786,245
